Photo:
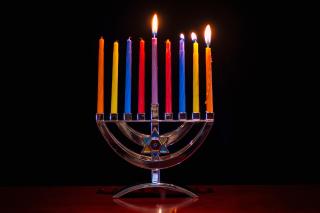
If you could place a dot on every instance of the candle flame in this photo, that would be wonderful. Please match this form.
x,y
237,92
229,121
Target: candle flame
x,y
193,36
181,36
207,35
154,24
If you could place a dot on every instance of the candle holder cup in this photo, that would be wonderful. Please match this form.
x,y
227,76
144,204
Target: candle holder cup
x,y
127,116
141,116
155,154
168,116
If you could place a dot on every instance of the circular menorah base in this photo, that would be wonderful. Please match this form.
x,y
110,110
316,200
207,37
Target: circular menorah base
x,y
165,186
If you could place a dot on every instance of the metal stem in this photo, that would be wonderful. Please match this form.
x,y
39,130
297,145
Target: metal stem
x,y
155,176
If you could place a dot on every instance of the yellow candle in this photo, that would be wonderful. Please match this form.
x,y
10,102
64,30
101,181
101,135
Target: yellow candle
x,y
209,95
114,89
195,74
100,99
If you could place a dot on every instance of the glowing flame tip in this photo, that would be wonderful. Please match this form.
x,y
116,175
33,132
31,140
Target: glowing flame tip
x,y
181,36
154,24
207,35
193,36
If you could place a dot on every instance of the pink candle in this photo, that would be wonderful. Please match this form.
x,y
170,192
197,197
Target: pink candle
x,y
154,99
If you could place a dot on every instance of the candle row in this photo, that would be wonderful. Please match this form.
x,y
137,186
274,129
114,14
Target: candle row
x,y
154,80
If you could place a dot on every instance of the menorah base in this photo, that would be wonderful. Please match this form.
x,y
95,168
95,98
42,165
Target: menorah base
x,y
164,186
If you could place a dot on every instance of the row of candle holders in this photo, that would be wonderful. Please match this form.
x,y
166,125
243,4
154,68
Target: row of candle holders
x,y
167,116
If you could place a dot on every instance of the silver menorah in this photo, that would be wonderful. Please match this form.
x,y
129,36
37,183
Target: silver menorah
x,y
155,154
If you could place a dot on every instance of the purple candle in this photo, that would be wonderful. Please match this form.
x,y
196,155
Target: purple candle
x,y
154,99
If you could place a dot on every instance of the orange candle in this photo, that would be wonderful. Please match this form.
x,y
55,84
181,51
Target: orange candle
x,y
209,95
100,101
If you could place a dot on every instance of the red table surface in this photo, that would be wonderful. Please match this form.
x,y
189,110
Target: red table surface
x,y
216,198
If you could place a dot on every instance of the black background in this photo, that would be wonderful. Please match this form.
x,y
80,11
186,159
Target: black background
x,y
49,99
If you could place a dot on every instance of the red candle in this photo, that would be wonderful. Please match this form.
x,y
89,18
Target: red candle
x,y
141,78
168,78
100,105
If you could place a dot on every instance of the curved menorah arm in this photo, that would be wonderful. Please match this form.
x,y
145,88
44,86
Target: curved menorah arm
x,y
146,162
119,148
170,137
175,135
134,135
184,153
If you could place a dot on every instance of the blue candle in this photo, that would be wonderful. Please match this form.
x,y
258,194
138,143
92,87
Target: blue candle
x,y
127,100
182,89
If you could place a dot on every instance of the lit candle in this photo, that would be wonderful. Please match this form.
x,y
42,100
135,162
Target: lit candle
x,y
209,95
141,109
100,100
154,99
182,92
114,89
127,100
195,74
168,108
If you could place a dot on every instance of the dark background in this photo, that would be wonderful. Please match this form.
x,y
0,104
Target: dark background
x,y
49,99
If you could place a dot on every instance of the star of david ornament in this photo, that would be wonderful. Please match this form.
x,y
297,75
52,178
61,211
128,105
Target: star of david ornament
x,y
154,145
